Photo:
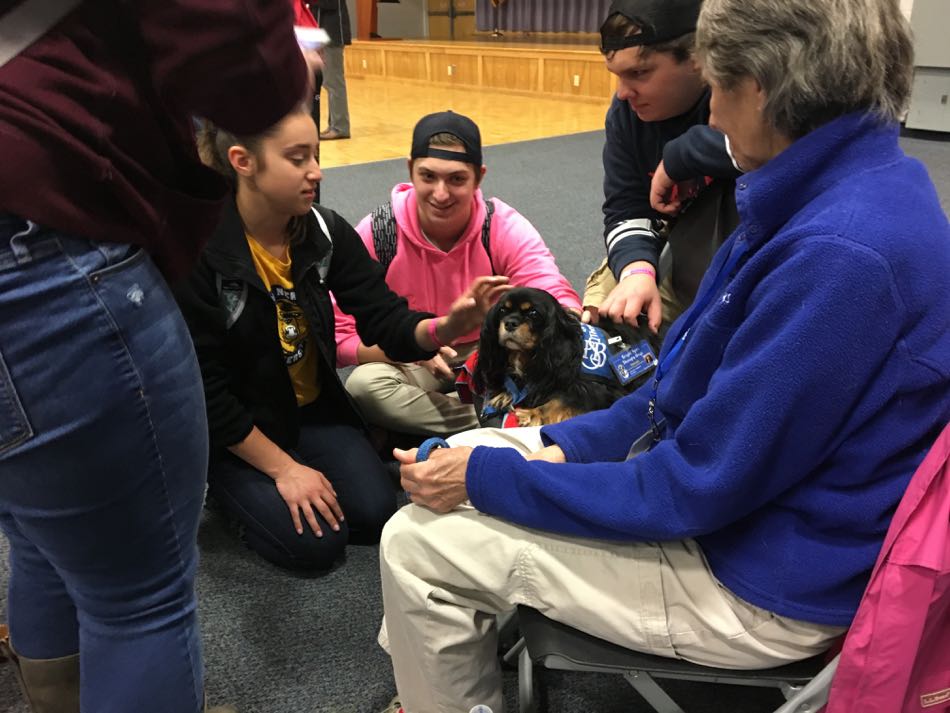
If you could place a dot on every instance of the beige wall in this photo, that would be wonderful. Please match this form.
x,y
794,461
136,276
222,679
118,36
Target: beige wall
x,y
906,6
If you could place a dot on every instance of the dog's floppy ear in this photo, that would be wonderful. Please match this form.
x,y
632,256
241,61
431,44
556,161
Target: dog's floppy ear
x,y
558,355
489,376
567,326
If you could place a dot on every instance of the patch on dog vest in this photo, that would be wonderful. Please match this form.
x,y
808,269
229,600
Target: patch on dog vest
x,y
596,352
612,359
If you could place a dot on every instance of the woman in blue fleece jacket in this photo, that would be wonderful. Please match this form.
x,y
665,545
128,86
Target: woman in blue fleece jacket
x,y
794,400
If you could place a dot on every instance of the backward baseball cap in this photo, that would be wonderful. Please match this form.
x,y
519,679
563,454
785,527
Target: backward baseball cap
x,y
447,122
658,20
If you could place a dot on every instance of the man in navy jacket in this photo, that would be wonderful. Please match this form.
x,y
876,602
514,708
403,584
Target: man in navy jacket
x,y
657,133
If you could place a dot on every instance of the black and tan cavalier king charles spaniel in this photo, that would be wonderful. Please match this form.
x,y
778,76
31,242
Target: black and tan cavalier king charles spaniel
x,y
532,346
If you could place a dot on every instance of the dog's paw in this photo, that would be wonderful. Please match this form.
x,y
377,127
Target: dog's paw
x,y
529,417
500,401
554,411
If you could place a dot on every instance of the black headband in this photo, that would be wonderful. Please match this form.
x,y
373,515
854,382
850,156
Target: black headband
x,y
449,155
658,20
447,122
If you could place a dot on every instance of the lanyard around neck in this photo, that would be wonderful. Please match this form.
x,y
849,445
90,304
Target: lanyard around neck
x,y
739,248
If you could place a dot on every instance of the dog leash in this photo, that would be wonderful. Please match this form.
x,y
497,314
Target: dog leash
x,y
425,450
429,445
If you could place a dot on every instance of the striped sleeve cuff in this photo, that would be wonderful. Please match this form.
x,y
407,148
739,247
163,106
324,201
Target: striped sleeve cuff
x,y
641,227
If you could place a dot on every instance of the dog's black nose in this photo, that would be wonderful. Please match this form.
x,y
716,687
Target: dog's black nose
x,y
510,324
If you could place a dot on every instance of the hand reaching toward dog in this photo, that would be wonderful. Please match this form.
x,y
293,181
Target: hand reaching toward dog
x,y
633,295
468,311
437,483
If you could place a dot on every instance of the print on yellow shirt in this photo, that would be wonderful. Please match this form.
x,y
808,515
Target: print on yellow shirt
x,y
292,327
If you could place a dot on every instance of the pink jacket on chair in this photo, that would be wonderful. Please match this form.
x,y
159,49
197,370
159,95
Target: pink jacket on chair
x,y
896,657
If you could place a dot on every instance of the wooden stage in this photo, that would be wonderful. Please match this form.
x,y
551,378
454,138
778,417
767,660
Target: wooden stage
x,y
516,89
558,65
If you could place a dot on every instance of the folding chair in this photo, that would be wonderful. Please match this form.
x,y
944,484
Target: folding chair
x,y
805,684
909,582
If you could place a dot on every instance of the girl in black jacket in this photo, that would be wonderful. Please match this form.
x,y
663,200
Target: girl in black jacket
x,y
284,434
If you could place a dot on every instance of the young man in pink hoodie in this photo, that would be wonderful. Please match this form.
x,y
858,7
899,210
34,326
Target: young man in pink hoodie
x,y
436,235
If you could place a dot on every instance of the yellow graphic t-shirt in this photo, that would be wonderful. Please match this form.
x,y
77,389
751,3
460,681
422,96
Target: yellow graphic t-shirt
x,y
292,328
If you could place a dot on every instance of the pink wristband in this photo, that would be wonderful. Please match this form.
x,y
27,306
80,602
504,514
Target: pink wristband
x,y
638,271
433,324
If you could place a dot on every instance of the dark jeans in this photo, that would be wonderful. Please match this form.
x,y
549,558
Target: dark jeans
x,y
103,452
344,455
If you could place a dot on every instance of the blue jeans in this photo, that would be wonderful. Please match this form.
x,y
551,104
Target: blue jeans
x,y
103,453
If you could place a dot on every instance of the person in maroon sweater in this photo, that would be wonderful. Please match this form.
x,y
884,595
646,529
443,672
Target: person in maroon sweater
x,y
103,439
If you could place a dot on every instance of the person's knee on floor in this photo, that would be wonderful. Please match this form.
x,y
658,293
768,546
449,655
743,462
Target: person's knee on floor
x,y
305,552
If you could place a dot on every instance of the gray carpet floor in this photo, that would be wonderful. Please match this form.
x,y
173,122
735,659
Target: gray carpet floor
x,y
279,643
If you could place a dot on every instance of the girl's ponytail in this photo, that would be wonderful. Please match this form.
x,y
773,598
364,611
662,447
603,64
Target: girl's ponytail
x,y
213,144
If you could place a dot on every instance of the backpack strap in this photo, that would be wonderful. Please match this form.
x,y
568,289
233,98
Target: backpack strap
x,y
384,234
486,232
383,222
27,22
323,267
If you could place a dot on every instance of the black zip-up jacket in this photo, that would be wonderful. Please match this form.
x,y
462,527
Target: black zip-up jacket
x,y
688,147
333,16
233,323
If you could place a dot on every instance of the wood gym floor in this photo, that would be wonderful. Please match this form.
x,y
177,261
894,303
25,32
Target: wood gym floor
x,y
383,112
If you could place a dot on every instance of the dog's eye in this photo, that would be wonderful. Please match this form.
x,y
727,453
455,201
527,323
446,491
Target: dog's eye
x,y
533,313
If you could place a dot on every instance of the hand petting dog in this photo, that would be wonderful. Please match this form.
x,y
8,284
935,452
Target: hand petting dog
x,y
465,315
468,312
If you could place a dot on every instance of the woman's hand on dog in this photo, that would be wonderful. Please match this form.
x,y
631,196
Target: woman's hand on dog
x,y
437,483
468,311
304,489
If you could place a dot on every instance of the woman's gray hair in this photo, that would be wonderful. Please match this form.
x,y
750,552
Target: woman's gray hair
x,y
815,59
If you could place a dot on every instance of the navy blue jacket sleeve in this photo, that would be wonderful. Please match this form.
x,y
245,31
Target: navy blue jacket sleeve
x,y
701,151
629,221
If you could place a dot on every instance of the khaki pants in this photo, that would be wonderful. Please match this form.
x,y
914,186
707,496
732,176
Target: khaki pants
x,y
406,398
446,577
